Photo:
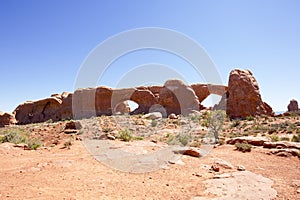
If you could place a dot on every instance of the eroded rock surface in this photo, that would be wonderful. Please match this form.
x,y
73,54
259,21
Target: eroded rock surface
x,y
6,119
243,96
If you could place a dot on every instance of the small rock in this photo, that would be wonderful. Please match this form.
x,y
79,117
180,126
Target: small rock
x,y
153,115
223,164
110,137
241,168
183,122
219,176
173,116
216,168
70,131
75,125
298,191
192,152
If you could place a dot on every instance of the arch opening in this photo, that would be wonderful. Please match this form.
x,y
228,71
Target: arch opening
x,y
211,100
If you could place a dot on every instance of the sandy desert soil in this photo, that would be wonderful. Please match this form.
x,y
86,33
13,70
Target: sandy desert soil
x,y
63,171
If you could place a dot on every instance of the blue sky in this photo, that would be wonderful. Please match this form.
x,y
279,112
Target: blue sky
x,y
44,43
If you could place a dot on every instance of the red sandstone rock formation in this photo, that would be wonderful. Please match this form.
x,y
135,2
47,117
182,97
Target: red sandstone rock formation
x,y
6,119
178,98
38,111
293,106
241,99
244,98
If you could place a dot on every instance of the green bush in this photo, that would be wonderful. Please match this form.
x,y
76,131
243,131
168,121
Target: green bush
x,y
296,138
17,136
154,123
243,147
179,139
274,138
250,118
125,135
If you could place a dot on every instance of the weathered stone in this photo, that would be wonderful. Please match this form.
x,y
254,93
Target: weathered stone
x,y
7,119
282,144
223,164
178,98
173,116
293,106
256,141
192,152
243,96
38,111
153,116
285,152
75,125
241,168
122,108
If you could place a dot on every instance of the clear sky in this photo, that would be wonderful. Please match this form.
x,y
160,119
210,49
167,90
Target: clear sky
x,y
44,43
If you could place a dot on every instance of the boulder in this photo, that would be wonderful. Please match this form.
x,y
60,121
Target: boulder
x,y
293,106
7,119
243,96
178,98
153,115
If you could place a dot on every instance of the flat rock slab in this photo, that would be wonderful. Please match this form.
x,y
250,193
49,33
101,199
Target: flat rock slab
x,y
283,144
256,141
239,185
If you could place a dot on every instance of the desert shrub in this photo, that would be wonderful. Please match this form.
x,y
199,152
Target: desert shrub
x,y
284,139
18,136
180,139
250,118
235,123
195,117
125,135
243,147
274,138
68,144
154,123
296,138
216,122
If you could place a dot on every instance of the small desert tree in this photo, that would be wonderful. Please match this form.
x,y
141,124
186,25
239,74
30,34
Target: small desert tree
x,y
215,122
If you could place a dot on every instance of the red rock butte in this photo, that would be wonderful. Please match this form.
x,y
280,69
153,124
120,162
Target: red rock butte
x,y
241,98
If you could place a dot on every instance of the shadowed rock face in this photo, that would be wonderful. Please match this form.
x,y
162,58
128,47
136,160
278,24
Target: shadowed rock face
x,y
38,111
178,98
243,97
7,119
293,106
240,99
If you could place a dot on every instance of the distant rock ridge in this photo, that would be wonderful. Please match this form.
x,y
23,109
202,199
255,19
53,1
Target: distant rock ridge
x,y
240,99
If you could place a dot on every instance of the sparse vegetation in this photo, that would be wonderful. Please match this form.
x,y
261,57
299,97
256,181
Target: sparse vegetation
x,y
125,135
296,138
154,123
274,138
216,121
68,144
250,118
18,136
179,139
243,147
